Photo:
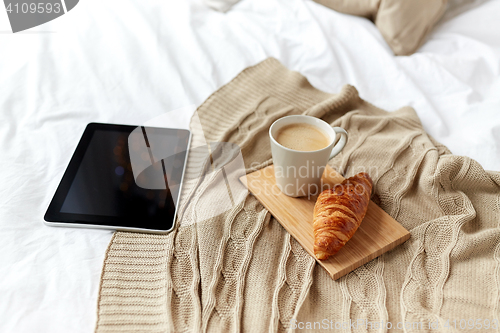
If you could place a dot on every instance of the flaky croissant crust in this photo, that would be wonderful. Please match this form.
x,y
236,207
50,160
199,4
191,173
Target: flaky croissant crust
x,y
338,213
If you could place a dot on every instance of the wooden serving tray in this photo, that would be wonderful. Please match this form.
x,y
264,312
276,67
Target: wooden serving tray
x,y
377,234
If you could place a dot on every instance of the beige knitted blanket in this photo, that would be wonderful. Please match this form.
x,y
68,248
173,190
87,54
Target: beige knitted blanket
x,y
241,271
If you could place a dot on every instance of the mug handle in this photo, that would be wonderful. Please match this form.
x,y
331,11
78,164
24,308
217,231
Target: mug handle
x,y
341,144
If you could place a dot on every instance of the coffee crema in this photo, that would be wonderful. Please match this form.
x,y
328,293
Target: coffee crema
x,y
302,137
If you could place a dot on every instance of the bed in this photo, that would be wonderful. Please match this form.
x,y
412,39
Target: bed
x,y
131,62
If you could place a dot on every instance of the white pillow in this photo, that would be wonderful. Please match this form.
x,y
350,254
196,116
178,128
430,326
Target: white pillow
x,y
221,5
457,7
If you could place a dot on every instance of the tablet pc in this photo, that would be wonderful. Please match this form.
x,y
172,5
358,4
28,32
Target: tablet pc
x,y
124,178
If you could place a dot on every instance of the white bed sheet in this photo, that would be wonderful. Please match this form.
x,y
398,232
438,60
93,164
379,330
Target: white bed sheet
x,y
130,61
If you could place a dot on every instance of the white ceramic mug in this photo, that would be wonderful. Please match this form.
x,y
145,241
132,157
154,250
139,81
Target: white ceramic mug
x,y
298,173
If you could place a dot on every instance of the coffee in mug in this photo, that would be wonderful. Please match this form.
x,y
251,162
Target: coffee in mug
x,y
302,137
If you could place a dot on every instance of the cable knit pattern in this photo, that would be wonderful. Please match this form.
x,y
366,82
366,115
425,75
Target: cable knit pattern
x,y
240,271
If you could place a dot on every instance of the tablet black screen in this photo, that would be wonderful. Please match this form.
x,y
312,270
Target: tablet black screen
x,y
100,187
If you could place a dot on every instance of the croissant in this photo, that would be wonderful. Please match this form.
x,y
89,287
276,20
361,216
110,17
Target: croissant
x,y
338,212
